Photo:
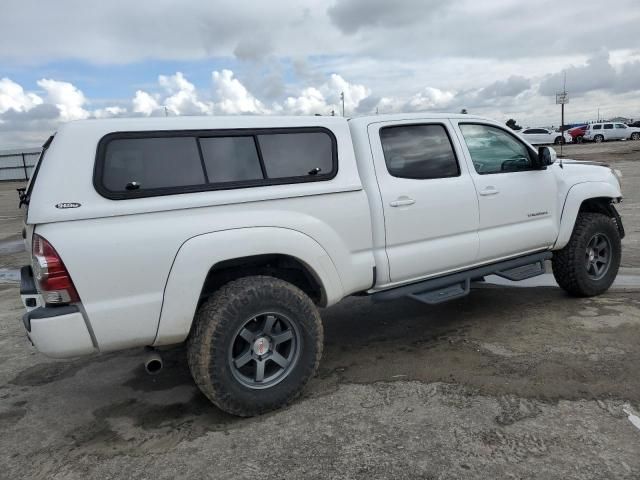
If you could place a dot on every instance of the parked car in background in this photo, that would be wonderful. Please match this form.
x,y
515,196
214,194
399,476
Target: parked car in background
x,y
635,124
601,132
577,133
542,136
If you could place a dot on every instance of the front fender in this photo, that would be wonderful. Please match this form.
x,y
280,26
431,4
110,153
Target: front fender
x,y
197,255
575,197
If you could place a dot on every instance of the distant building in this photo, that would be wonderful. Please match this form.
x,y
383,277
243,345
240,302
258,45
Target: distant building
x,y
621,120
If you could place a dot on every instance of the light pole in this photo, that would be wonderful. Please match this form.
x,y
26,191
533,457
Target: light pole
x,y
342,98
562,98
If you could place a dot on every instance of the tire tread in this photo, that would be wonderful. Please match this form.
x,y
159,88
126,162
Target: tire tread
x,y
216,314
567,271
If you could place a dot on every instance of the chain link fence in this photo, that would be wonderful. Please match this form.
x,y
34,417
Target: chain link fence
x,y
17,165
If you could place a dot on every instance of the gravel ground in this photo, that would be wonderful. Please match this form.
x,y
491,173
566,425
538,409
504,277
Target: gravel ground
x,y
505,383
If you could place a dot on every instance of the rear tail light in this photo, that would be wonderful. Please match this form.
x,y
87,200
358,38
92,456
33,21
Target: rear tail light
x,y
51,276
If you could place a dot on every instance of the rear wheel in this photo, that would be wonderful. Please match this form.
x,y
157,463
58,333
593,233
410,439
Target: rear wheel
x,y
255,344
635,136
598,139
559,140
589,263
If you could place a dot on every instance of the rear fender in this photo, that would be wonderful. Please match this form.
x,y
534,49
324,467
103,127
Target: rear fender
x,y
199,254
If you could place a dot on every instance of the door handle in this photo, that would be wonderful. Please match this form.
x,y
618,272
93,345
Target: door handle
x,y
490,190
402,202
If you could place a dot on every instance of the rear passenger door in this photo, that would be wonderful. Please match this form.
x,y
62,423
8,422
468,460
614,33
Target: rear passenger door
x,y
429,202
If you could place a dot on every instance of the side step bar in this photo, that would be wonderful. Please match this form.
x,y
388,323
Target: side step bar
x,y
456,285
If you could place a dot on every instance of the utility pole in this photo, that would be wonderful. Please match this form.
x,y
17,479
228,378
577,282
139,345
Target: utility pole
x,y
166,111
342,98
562,98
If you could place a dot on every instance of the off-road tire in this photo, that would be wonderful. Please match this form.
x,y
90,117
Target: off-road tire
x,y
569,263
217,321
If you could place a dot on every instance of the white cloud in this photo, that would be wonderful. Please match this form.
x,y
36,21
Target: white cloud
x,y
512,86
13,96
233,97
597,73
326,97
68,98
107,112
309,102
144,103
430,98
183,97
353,93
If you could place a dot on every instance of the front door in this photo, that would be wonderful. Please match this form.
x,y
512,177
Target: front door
x,y
518,204
429,201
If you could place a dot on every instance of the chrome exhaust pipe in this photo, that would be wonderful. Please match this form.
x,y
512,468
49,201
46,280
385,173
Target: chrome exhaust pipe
x,y
153,362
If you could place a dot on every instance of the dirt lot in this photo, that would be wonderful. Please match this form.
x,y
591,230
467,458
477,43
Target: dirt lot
x,y
505,383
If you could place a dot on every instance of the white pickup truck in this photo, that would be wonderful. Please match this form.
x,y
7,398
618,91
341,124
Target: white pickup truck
x,y
230,233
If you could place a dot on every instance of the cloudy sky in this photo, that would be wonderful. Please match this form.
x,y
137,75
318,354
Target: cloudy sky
x,y
76,59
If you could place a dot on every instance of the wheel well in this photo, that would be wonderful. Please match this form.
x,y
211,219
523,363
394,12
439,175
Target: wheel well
x,y
284,267
597,205
605,206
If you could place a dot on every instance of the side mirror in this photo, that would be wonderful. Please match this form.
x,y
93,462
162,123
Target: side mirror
x,y
546,156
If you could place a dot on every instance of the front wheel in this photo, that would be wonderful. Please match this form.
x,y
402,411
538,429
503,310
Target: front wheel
x,y
256,342
559,141
589,263
598,139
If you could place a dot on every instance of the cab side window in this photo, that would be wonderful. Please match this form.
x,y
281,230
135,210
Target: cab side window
x,y
493,150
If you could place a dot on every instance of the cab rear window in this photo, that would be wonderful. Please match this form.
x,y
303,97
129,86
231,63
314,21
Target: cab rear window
x,y
143,164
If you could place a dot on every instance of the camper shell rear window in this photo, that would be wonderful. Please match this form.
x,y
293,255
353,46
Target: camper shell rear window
x,y
152,163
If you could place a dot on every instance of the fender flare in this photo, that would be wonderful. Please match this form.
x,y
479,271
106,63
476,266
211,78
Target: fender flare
x,y
575,197
197,255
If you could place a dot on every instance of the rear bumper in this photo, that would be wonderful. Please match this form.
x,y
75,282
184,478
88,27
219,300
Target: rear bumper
x,y
57,332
